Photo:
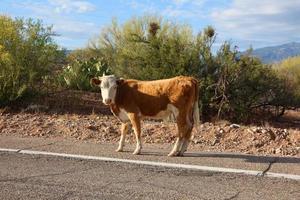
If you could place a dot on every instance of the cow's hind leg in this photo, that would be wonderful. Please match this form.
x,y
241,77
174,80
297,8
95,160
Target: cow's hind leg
x,y
185,126
124,131
185,144
136,125
176,149
187,132
185,140
180,135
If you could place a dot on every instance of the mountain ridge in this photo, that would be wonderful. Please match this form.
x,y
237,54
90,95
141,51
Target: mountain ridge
x,y
273,54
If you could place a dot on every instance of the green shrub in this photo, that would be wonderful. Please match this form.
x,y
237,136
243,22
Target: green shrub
x,y
236,85
232,85
288,71
27,54
83,54
149,48
77,74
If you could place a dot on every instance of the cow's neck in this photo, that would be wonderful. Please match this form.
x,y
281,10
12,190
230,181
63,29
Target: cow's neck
x,y
118,96
117,105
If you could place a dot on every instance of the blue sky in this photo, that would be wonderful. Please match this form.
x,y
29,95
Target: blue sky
x,y
244,22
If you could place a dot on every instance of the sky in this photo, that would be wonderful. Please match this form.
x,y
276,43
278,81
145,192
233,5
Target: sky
x,y
245,23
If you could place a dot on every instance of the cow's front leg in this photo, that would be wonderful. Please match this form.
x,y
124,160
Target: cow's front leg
x,y
185,144
176,148
124,131
136,125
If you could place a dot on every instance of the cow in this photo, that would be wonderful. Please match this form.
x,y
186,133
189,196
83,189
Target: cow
x,y
132,101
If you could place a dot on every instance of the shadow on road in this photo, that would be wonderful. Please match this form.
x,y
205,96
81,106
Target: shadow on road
x,y
247,158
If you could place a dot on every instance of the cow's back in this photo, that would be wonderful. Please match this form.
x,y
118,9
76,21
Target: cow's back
x,y
151,97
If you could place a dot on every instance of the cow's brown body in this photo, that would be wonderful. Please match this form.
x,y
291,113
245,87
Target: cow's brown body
x,y
177,97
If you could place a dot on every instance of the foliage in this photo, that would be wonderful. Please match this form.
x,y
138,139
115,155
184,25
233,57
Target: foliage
x,y
149,48
288,71
27,53
77,75
83,54
235,84
232,85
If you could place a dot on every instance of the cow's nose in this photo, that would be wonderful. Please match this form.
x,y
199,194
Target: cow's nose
x,y
107,101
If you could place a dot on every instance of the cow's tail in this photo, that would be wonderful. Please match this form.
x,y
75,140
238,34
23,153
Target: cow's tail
x,y
196,114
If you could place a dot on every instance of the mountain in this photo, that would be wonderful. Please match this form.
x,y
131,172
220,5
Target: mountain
x,y
277,53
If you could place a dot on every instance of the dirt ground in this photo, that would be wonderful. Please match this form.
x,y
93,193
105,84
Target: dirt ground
x,y
82,116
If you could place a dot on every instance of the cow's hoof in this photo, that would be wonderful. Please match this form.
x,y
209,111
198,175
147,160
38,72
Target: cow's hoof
x,y
137,152
180,154
172,154
119,150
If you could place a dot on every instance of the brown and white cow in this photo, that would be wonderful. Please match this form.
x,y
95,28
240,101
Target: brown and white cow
x,y
134,100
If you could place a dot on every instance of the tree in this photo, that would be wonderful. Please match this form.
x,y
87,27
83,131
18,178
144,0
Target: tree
x,y
149,48
232,84
288,71
27,53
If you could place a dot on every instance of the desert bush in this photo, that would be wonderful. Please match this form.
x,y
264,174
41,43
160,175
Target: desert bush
x,y
82,54
235,84
27,53
288,71
77,74
149,48
232,84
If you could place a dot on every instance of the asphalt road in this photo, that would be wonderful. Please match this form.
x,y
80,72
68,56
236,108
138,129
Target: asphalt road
x,y
49,177
156,153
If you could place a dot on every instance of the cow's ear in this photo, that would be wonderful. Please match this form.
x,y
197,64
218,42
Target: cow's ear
x,y
95,81
120,81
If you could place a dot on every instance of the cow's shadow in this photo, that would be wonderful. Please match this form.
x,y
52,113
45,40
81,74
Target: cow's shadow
x,y
245,157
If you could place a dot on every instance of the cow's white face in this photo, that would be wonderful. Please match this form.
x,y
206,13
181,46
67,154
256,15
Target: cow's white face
x,y
108,85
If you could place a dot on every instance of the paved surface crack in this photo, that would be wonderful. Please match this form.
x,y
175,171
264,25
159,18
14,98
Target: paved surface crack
x,y
176,190
25,179
269,167
42,145
66,195
233,196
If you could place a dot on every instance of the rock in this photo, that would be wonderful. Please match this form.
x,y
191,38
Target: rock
x,y
234,126
227,129
215,141
278,150
264,131
91,127
250,131
36,108
196,141
258,144
272,135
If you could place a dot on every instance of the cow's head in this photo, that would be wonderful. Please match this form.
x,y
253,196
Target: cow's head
x,y
108,85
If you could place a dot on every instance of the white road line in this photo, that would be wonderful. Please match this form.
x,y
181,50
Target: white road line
x,y
159,164
10,150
